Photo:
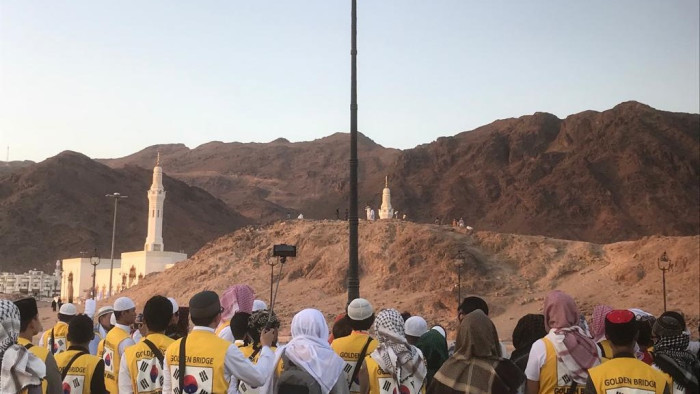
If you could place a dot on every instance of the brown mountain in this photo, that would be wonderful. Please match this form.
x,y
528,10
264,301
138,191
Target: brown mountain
x,y
605,176
57,208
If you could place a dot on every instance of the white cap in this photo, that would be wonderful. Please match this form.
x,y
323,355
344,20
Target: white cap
x,y
123,304
360,309
259,305
104,310
440,330
68,309
113,320
176,307
415,326
90,306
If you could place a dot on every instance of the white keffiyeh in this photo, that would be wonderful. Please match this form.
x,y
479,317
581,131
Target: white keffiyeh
x,y
394,354
20,368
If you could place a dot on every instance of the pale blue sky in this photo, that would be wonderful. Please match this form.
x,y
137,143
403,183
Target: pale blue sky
x,y
108,78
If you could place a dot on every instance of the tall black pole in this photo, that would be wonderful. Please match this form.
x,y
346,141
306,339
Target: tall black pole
x,y
353,271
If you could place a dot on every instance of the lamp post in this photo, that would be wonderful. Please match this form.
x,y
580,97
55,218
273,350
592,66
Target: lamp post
x,y
353,270
664,264
459,263
94,260
116,197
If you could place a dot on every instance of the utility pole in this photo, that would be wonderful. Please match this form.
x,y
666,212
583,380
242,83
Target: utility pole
x,y
116,197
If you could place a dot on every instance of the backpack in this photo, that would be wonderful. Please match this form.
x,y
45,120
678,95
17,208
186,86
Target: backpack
x,y
295,380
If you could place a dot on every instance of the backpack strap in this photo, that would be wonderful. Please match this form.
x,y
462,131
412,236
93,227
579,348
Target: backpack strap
x,y
156,352
181,364
52,341
28,346
360,360
572,389
65,370
255,353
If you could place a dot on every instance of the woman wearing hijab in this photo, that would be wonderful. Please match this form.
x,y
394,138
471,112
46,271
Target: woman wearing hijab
x,y
529,329
20,370
394,366
309,350
559,362
433,345
671,355
477,365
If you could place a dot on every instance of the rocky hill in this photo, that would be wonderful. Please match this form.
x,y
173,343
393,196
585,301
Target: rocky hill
x,y
412,267
57,208
620,174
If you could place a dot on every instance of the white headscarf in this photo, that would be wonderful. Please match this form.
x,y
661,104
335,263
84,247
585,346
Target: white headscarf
x,y
310,350
20,368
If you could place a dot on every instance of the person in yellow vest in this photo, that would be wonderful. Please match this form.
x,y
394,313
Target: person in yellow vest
x,y
256,324
360,315
55,339
671,353
20,370
30,326
394,366
623,373
117,340
209,363
559,362
81,371
141,369
101,328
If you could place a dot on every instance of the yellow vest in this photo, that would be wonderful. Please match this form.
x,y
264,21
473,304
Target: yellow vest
x,y
111,357
60,333
247,352
381,382
349,349
222,325
553,376
628,375
204,365
606,350
79,377
144,367
40,352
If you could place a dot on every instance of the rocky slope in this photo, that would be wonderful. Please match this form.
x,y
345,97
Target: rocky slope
x,y
57,208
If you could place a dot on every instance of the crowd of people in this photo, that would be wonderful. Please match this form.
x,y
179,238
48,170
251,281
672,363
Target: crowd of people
x,y
232,347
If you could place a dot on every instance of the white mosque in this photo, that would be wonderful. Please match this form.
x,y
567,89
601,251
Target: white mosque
x,y
76,278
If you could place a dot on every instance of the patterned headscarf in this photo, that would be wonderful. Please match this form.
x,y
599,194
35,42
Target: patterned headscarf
x,y
671,353
258,320
394,354
237,298
18,367
598,322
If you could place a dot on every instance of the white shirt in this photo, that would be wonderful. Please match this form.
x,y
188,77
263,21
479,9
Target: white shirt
x,y
236,367
538,355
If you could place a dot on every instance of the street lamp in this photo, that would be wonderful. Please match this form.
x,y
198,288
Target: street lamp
x,y
94,260
116,197
353,264
459,263
664,264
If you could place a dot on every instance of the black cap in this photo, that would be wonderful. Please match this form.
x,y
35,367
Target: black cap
x,y
204,304
27,308
669,324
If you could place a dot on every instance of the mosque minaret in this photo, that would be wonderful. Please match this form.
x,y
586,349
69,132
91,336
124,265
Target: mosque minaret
x,y
156,197
386,211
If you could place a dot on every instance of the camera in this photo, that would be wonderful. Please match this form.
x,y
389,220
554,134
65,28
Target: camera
x,y
284,250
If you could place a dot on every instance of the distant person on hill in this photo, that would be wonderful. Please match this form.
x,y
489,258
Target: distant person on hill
x,y
337,213
529,329
81,372
30,326
623,373
354,347
477,366
395,365
56,338
561,359
671,355
471,304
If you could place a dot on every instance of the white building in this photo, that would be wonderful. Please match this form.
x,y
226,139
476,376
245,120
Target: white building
x,y
33,282
77,273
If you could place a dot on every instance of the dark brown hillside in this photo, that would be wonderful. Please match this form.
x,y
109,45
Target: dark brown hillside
x,y
601,177
57,208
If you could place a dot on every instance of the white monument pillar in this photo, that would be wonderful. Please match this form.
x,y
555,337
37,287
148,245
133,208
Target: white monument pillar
x,y
156,196
386,211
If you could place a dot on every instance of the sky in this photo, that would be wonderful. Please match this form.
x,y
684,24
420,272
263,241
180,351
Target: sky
x,y
109,78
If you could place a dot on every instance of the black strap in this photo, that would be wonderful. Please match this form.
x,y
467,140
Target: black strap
x,y
28,346
65,370
255,353
572,389
181,364
156,352
52,341
360,359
